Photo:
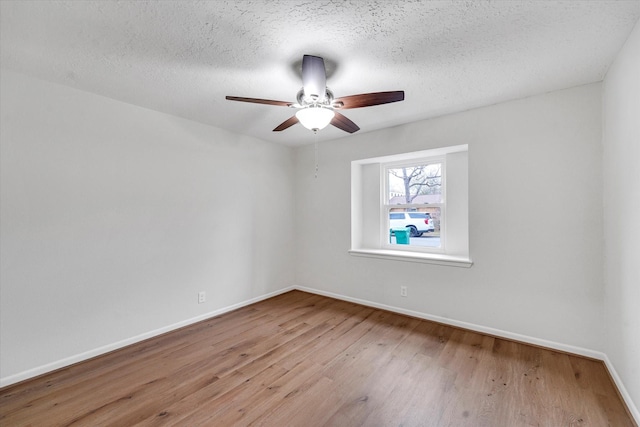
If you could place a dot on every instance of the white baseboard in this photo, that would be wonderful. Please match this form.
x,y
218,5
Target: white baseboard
x,y
635,413
465,325
49,367
498,333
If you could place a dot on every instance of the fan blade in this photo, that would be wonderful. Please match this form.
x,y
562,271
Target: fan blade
x,y
368,99
314,78
342,122
286,124
260,101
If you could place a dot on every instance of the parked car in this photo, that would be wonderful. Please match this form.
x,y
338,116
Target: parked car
x,y
417,222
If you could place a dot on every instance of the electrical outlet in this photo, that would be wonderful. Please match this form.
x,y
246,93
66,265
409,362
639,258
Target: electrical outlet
x,y
403,291
202,297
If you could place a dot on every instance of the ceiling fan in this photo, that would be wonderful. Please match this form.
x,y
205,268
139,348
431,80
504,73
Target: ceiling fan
x,y
316,104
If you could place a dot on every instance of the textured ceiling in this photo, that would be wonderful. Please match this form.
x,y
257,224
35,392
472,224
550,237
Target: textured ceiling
x,y
183,57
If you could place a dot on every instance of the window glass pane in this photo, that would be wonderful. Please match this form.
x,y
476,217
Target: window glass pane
x,y
417,226
420,184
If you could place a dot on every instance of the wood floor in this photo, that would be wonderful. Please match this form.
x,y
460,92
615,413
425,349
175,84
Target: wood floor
x,y
304,360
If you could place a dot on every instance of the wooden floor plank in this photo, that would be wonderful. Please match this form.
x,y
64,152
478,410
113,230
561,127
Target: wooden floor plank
x,y
300,359
272,397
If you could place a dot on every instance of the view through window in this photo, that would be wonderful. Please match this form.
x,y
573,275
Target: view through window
x,y
414,205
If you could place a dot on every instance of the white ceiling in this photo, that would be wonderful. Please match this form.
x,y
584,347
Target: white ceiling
x,y
182,57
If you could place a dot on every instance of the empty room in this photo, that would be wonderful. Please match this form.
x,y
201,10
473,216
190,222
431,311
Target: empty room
x,y
330,213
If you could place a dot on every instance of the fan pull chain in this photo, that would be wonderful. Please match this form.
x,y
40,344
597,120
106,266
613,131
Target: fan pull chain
x,y
315,149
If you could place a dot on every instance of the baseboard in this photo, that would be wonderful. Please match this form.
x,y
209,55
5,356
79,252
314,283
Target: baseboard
x,y
633,410
44,369
465,325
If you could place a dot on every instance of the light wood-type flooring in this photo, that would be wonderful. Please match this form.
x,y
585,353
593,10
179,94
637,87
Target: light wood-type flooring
x,y
300,359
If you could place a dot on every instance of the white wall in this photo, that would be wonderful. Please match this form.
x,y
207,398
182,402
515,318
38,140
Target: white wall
x,y
535,219
113,217
621,135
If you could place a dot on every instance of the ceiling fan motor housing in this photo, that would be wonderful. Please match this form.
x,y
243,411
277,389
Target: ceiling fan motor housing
x,y
316,103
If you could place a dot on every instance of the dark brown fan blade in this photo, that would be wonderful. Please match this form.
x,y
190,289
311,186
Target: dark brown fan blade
x,y
259,101
368,99
342,122
286,124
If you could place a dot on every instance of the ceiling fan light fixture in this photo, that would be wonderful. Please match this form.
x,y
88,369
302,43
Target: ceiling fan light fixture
x,y
315,117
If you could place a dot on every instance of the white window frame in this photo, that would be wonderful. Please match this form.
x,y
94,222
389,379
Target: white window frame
x,y
386,207
369,208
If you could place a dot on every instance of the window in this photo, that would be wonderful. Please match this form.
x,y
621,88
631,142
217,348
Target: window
x,y
412,206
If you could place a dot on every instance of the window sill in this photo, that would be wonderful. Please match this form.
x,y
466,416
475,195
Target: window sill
x,y
438,259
